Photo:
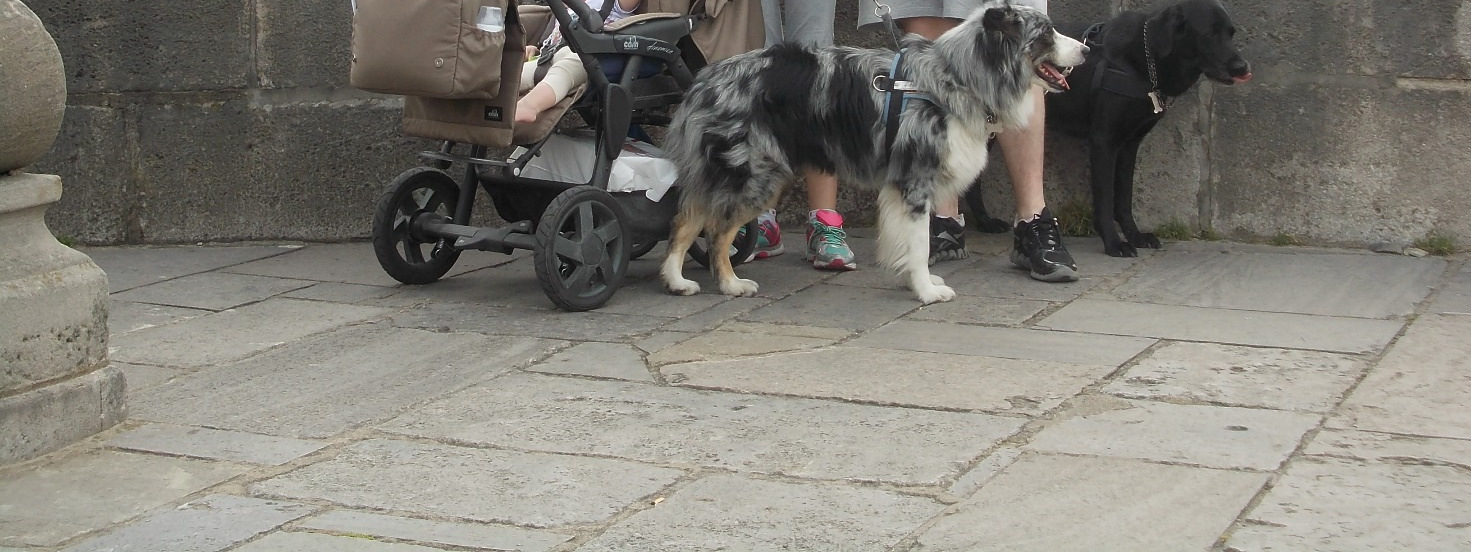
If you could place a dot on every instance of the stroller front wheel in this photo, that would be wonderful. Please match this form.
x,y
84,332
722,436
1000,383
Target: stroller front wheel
x,y
402,250
582,249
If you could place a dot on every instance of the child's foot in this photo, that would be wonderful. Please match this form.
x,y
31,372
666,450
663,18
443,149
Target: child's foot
x,y
827,242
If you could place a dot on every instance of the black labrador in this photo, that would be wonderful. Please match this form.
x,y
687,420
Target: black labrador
x,y
1137,63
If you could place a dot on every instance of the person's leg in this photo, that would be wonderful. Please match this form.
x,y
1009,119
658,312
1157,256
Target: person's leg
x,y
1021,148
810,21
565,74
827,241
947,228
1038,241
771,21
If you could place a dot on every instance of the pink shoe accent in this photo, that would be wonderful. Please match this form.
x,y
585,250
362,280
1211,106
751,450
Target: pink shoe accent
x,y
829,217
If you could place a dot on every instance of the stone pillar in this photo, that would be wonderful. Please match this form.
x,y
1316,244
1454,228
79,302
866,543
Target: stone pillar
x,y
56,386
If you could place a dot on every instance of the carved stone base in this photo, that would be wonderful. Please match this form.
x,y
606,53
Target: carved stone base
x,y
55,383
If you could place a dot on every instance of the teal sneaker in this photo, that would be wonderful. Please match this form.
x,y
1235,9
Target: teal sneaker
x,y
768,238
827,242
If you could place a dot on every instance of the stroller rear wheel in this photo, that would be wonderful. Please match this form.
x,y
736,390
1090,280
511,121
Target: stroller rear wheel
x,y
581,249
404,252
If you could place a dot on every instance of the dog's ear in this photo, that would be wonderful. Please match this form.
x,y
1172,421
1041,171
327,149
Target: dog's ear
x,y
1003,20
1164,28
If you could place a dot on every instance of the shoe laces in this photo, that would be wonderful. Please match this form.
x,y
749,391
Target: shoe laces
x,y
831,235
1046,231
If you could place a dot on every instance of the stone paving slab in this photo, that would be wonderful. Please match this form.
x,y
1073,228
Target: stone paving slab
x,y
553,324
718,314
315,542
199,442
131,267
1048,503
469,535
499,486
602,360
1022,344
722,345
1341,285
351,263
966,309
1236,327
1283,379
925,380
140,376
796,437
1368,446
1392,503
209,524
1421,387
1211,436
728,512
214,291
830,306
47,504
126,316
343,293
997,277
234,334
1455,296
319,387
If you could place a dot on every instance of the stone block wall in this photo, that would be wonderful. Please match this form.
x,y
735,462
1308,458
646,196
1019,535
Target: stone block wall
x,y
232,120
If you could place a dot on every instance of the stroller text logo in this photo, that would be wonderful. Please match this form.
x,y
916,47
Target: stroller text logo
x,y
493,113
630,43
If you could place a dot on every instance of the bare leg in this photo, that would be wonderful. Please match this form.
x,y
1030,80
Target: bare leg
x,y
822,190
539,99
932,28
1022,150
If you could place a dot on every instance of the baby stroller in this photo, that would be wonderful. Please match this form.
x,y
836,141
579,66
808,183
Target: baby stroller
x,y
582,236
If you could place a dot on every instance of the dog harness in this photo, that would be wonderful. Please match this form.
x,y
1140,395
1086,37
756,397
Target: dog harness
x,y
1119,78
897,93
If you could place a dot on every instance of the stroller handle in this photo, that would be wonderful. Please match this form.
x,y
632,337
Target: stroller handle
x,y
586,16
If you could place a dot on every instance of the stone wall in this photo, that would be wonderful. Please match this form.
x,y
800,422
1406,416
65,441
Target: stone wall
x,y
210,120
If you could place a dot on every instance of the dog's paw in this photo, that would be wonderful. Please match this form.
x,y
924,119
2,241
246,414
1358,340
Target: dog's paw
x,y
739,287
1146,240
682,286
936,294
937,280
1121,249
992,225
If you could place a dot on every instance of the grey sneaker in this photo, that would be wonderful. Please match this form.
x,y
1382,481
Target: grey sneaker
x,y
947,240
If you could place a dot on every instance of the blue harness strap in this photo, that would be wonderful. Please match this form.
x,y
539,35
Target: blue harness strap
x,y
898,92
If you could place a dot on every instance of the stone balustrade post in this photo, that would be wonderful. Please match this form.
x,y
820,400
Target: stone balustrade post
x,y
56,386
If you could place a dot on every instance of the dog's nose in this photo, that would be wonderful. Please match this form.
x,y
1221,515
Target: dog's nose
x,y
1239,66
1084,49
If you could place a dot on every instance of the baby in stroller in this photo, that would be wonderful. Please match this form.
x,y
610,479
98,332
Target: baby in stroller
x,y
563,70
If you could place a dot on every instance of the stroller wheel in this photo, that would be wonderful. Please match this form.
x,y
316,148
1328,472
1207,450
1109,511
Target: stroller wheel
x,y
744,244
641,249
406,254
581,249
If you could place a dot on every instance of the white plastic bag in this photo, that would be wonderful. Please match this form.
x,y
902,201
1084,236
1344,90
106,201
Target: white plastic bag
x,y
639,167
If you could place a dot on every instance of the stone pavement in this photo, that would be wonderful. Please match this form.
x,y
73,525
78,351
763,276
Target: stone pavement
x,y
1209,396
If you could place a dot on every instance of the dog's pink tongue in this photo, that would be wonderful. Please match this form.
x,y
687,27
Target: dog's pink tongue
x,y
1241,79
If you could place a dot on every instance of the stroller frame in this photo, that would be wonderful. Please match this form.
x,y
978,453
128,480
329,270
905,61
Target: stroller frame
x,y
582,236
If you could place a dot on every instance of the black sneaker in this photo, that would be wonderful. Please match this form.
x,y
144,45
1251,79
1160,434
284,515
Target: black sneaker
x,y
1039,249
947,240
